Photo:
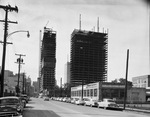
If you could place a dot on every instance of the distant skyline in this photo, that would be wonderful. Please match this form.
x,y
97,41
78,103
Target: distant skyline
x,y
127,21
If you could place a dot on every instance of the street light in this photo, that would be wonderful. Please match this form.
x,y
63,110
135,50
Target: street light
x,y
28,34
6,36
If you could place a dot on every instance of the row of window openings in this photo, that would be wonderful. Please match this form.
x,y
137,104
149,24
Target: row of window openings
x,y
139,81
86,93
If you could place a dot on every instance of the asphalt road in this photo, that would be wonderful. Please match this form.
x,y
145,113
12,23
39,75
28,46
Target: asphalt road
x,y
40,108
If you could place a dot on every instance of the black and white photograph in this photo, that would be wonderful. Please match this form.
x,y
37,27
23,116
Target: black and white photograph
x,y
74,58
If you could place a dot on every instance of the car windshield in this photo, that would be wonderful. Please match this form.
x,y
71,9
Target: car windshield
x,y
8,101
86,99
110,101
24,96
94,100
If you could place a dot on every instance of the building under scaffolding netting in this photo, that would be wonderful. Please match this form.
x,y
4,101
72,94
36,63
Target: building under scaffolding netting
x,y
89,57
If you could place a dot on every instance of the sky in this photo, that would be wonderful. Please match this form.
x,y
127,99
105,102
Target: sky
x,y
126,20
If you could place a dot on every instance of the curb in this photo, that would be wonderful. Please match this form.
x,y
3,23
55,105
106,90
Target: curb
x,y
138,110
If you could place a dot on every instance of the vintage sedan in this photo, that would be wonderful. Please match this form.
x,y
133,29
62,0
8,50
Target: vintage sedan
x,y
23,101
46,98
73,100
11,106
79,101
26,98
108,103
90,102
68,100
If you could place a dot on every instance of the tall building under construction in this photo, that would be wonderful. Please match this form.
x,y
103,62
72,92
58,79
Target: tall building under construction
x,y
89,54
48,60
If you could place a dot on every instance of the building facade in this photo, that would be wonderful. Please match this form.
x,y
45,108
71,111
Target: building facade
x,y
67,73
11,81
89,53
116,91
136,95
36,86
141,81
99,90
48,58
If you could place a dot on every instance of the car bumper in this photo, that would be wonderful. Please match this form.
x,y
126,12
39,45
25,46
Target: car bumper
x,y
13,114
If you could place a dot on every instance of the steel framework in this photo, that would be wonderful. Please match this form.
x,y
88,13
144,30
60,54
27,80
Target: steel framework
x,y
89,54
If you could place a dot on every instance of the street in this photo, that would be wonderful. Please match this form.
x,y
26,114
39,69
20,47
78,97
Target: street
x,y
37,107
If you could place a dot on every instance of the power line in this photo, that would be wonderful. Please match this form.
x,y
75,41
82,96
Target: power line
x,y
19,62
7,9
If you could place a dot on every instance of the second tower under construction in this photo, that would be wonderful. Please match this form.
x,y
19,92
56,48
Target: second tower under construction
x,y
89,54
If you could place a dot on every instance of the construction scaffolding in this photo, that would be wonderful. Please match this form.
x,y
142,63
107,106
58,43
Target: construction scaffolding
x,y
89,57
48,59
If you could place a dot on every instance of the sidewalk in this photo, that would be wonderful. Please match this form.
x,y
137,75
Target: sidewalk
x,y
137,110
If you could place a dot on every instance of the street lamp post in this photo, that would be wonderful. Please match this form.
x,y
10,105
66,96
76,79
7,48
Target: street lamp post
x,y
6,36
28,34
7,9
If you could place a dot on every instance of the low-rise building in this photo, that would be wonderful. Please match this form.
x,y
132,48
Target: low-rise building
x,y
143,82
136,95
116,91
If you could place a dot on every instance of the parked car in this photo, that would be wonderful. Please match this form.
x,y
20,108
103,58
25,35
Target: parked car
x,y
23,101
64,99
61,99
68,100
90,102
46,98
53,98
25,97
108,103
11,106
73,100
79,101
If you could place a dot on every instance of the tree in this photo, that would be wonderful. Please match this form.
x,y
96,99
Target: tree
x,y
114,81
122,81
67,89
56,91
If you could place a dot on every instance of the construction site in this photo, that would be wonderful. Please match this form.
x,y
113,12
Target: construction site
x,y
48,60
89,54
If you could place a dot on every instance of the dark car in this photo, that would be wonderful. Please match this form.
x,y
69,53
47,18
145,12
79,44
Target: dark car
x,y
25,97
11,106
23,101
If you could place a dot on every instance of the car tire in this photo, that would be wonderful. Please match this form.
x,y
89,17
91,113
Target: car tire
x,y
21,113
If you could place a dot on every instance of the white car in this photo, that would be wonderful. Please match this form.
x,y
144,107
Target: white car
x,y
64,99
73,100
79,101
90,102
107,103
46,98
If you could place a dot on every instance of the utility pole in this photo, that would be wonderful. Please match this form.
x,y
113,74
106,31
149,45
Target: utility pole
x,y
82,89
125,92
19,61
60,87
23,83
7,9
